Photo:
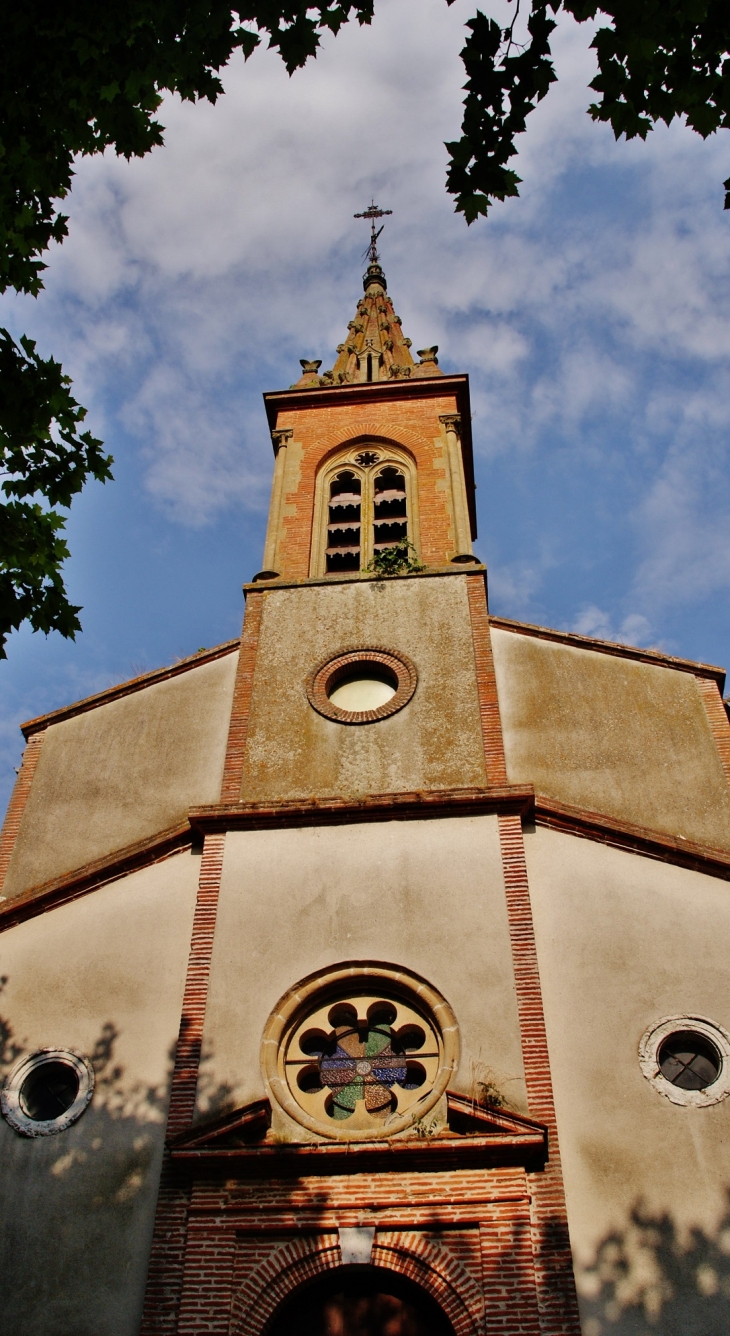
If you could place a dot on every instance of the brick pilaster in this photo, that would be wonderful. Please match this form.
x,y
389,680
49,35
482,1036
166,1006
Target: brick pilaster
x,y
238,727
718,720
16,807
167,1256
486,681
557,1301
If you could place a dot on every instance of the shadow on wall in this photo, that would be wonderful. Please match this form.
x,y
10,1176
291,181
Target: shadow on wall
x,y
77,1208
651,1279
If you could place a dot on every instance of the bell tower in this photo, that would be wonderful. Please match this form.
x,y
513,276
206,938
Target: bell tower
x,y
372,454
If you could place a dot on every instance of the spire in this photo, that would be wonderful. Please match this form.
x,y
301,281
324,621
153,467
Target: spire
x,y
374,348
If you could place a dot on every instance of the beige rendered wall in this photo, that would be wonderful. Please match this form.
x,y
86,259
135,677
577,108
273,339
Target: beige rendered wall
x,y
623,942
424,895
627,739
104,976
124,771
435,742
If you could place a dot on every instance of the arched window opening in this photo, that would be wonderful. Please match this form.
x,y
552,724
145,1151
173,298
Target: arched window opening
x,y
390,522
370,366
344,522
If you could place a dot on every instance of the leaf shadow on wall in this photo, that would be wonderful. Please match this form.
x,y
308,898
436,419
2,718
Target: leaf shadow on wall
x,y
77,1208
653,1278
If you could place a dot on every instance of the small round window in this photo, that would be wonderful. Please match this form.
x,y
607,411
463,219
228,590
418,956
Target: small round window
x,y
361,1052
361,685
687,1059
47,1092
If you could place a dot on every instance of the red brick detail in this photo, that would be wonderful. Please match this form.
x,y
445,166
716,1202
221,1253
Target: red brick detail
x,y
486,681
587,825
140,683
322,425
325,676
190,1038
100,872
238,728
167,1255
551,1243
508,1272
651,656
272,1270
719,722
205,1307
432,1261
16,807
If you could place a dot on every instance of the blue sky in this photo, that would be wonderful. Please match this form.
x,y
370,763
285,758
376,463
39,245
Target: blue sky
x,y
591,315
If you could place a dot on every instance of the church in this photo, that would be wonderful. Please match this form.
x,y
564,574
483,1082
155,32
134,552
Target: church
x,y
367,975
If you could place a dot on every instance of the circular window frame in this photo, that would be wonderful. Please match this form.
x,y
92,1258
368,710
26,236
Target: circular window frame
x,y
325,676
12,1108
340,983
650,1045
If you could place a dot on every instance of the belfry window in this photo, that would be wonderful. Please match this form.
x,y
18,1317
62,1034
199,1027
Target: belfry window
x,y
344,522
390,521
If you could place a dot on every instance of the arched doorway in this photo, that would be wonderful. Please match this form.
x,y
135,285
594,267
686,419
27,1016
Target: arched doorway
x,y
359,1301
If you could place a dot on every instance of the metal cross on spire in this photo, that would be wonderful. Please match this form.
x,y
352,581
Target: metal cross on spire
x,y
373,212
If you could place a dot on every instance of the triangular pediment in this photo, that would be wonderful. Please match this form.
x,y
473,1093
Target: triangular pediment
x,y
485,1136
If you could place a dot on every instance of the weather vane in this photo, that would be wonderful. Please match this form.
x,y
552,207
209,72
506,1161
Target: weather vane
x,y
372,213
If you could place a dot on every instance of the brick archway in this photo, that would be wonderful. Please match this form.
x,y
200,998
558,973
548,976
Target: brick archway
x,y
266,1288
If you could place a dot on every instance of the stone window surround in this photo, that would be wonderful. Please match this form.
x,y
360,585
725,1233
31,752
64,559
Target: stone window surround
x,y
12,1108
336,984
651,1042
346,457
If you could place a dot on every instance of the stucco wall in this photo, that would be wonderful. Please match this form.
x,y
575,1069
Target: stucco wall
x,y
124,771
425,895
627,739
624,941
435,742
104,976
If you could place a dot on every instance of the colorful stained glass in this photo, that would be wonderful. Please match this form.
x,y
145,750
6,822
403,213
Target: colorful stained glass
x,y
362,1060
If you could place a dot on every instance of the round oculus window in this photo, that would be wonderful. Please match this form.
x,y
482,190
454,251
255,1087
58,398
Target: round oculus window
x,y
360,1055
687,1059
361,686
46,1092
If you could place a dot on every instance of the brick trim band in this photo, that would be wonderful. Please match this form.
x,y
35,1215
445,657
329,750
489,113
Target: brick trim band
x,y
557,1299
486,681
588,825
718,720
242,692
653,656
16,807
43,721
167,1254
58,891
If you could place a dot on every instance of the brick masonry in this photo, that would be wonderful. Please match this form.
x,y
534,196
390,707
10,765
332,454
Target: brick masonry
x,y
412,424
16,807
490,1245
718,720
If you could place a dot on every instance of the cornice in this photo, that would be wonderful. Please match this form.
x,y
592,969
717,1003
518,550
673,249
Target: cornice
x,y
624,835
259,585
128,688
652,656
488,1138
515,799
60,890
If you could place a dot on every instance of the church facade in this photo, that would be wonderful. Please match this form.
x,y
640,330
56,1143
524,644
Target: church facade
x,y
368,973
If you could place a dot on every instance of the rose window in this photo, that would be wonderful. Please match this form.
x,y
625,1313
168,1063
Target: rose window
x,y
362,1061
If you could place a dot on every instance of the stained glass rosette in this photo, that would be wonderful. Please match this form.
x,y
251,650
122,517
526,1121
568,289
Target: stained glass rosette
x,y
362,1061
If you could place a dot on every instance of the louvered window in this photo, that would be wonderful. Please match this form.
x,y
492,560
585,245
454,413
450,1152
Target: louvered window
x,y
344,523
390,520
